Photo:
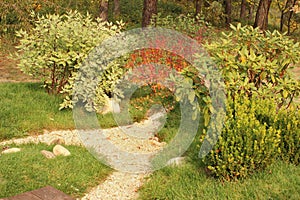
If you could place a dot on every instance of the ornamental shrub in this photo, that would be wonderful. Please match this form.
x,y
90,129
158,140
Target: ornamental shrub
x,y
248,142
16,14
289,124
257,62
54,50
188,24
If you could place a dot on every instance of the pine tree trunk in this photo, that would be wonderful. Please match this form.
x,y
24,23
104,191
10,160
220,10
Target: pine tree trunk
x,y
250,16
261,18
117,8
243,10
150,8
286,14
228,11
103,10
198,7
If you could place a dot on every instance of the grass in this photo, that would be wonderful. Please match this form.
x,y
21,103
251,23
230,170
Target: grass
x,y
279,181
27,109
29,169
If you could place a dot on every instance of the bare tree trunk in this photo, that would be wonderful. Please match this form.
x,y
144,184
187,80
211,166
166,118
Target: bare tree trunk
x,y
261,18
244,5
286,14
228,11
250,16
198,7
103,10
150,8
290,16
281,20
117,8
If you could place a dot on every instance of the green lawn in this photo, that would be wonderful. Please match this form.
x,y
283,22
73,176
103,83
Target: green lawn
x,y
279,181
27,109
29,169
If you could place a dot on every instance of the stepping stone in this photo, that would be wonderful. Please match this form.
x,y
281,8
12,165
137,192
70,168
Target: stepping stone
x,y
60,150
48,154
11,150
45,193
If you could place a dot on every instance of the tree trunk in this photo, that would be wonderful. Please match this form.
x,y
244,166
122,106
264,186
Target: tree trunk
x,y
117,8
250,16
290,16
286,14
104,10
261,18
243,9
198,7
228,11
150,8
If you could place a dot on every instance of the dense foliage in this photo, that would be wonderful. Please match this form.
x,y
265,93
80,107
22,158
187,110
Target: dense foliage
x,y
256,70
255,66
289,124
54,50
257,62
17,14
247,143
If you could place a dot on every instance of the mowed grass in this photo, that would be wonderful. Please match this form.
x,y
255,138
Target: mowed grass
x,y
26,108
29,169
279,181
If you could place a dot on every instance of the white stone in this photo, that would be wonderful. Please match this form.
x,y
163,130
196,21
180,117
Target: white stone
x,y
60,150
11,150
48,154
110,106
176,161
54,140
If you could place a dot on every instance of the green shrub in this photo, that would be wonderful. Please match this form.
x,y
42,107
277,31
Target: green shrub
x,y
247,143
214,13
16,14
257,62
289,124
54,50
262,125
187,24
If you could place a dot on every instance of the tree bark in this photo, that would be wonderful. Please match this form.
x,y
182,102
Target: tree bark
x,y
103,10
150,8
244,5
250,16
261,18
227,11
290,16
198,7
117,8
286,14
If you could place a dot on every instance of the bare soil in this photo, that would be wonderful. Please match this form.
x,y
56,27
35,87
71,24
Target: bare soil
x,y
9,71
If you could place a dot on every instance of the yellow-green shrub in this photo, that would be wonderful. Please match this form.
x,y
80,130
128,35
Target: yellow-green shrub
x,y
289,124
247,143
56,47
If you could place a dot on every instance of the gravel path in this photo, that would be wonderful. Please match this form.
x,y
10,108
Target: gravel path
x,y
135,138
118,186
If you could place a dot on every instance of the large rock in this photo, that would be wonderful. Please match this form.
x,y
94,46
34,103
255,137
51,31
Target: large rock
x,y
11,150
59,150
48,154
